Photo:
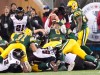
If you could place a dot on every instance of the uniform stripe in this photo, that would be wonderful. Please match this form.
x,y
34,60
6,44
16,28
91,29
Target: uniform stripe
x,y
84,37
65,44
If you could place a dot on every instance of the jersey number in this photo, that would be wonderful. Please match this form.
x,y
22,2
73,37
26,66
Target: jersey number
x,y
19,27
21,37
57,31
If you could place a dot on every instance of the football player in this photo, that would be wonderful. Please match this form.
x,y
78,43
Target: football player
x,y
81,30
18,22
12,62
56,33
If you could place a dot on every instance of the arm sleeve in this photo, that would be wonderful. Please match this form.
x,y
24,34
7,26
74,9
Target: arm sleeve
x,y
46,26
63,29
78,16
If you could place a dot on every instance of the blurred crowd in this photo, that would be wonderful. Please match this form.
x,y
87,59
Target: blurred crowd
x,y
38,22
34,18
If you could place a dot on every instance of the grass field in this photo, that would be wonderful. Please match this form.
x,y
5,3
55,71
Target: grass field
x,y
84,72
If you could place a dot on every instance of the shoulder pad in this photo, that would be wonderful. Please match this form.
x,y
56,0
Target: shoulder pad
x,y
77,13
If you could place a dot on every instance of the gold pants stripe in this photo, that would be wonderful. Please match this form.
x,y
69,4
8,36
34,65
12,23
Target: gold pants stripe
x,y
84,37
65,44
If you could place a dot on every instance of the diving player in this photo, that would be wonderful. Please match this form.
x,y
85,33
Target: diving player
x,y
12,62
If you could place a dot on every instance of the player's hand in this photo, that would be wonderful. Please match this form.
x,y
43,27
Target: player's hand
x,y
26,67
55,9
53,16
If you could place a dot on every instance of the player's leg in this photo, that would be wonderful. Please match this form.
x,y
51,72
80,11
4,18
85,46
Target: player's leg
x,y
11,47
70,60
6,52
77,50
82,36
73,46
1,50
52,44
67,46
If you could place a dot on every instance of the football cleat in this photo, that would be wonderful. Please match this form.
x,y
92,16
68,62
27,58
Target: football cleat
x,y
71,66
98,66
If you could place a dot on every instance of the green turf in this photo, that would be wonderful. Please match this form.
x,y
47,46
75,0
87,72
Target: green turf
x,y
85,72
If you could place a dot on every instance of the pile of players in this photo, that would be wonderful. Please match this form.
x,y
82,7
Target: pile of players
x,y
63,49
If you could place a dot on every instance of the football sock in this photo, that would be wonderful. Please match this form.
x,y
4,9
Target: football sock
x,y
1,59
86,49
90,58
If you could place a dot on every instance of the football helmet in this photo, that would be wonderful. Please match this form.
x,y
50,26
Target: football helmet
x,y
18,54
27,31
19,10
19,13
73,4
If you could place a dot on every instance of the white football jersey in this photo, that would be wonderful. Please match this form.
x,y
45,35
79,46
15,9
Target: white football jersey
x,y
8,61
19,25
43,53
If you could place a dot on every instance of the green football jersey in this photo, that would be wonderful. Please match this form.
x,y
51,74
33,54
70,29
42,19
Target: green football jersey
x,y
56,34
22,38
2,41
78,12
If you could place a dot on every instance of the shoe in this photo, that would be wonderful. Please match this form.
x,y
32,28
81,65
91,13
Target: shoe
x,y
71,66
54,66
98,66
